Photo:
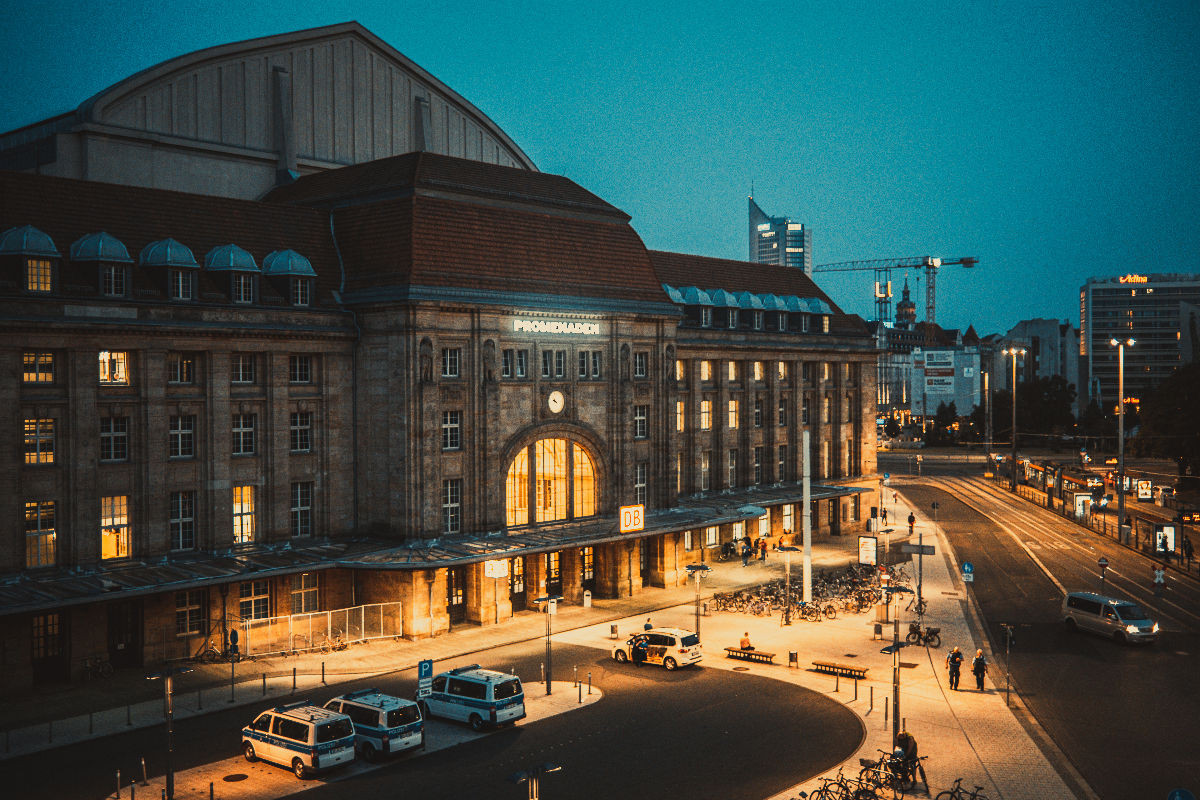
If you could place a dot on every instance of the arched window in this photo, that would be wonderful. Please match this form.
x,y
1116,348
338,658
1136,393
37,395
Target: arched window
x,y
555,477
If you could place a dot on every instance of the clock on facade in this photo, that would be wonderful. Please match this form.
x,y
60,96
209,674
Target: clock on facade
x,y
556,401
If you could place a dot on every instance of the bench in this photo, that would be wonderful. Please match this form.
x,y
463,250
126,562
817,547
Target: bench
x,y
750,655
834,668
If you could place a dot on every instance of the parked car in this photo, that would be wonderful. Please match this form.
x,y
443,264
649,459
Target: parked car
x,y
668,647
301,736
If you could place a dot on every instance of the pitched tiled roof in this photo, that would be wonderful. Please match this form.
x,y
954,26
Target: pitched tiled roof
x,y
679,269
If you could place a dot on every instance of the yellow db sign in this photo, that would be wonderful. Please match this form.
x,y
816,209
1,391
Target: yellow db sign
x,y
633,518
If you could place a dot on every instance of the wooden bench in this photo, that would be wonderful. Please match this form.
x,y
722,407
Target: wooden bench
x,y
834,668
750,655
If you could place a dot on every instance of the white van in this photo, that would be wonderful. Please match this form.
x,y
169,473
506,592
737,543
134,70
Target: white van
x,y
479,697
1108,616
304,737
382,723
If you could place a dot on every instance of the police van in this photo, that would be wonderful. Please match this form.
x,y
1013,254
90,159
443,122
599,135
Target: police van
x,y
479,697
304,737
382,723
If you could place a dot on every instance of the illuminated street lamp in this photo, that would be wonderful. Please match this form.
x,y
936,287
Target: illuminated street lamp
x,y
551,602
1015,352
787,592
698,570
532,776
167,677
1121,344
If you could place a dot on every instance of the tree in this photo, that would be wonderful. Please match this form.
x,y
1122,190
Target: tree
x,y
1170,425
891,428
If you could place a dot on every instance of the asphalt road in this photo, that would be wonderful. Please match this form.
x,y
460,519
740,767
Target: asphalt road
x,y
1127,717
696,732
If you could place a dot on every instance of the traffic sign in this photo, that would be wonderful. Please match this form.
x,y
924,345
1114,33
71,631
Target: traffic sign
x,y
424,677
922,549
968,567
1103,562
968,577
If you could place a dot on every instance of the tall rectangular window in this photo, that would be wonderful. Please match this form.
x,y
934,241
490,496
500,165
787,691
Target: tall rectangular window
x,y
302,508
189,613
114,438
114,527
731,368
712,535
597,363
452,505
506,363
733,413
641,423
243,434
451,430
180,368
758,465
705,317
689,542
706,470
640,471
782,370
112,280
826,410
782,473
181,435
522,364
706,370
451,362
254,599
731,469
547,363
705,415
759,316
300,369
300,431
39,441
40,534
641,364
680,415
587,563
560,363
243,514
242,290
38,274
181,284
301,291
804,410
758,412
679,473
39,368
242,368
758,370
183,520
583,364
783,412
680,370
789,516
306,593
114,368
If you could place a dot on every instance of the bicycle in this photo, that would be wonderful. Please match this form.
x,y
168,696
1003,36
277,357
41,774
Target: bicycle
x,y
333,643
887,776
918,607
97,667
957,792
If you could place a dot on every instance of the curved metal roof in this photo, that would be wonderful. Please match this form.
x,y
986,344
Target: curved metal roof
x,y
288,262
100,246
27,241
230,257
693,296
167,253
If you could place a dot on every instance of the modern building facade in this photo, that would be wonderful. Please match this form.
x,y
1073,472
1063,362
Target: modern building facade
x,y
1144,307
422,390
778,240
1051,349
945,375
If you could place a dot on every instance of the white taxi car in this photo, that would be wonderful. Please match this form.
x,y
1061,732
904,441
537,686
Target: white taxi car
x,y
668,647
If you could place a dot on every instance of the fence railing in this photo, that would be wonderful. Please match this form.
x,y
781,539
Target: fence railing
x,y
321,630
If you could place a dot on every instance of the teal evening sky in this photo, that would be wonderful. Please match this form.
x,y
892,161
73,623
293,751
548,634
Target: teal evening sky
x,y
1053,140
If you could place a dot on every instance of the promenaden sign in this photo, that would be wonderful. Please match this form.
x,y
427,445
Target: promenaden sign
x,y
556,326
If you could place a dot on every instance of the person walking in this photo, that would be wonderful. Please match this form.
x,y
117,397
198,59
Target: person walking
x,y
1160,579
745,554
883,513
954,660
1187,552
762,549
979,668
912,521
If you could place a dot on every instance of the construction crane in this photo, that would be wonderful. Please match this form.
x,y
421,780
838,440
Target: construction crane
x,y
883,278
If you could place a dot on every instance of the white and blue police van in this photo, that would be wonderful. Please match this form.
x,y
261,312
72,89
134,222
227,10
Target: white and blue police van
x,y
382,723
479,697
304,737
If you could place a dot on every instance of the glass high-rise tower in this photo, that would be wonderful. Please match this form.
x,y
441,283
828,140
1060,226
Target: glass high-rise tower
x,y
778,240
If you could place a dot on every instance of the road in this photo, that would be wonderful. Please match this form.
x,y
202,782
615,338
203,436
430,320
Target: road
x,y
695,732
1127,717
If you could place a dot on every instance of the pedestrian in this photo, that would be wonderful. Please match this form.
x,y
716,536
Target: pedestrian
x,y
648,625
979,668
641,646
745,554
762,549
1160,579
912,521
1187,552
883,512
954,660
744,644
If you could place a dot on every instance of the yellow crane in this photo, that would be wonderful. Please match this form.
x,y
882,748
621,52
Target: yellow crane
x,y
882,267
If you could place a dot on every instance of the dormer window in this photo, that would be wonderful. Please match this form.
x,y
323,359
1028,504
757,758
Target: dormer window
x,y
39,252
706,317
180,267
38,275
112,280
243,271
110,254
242,287
301,291
290,266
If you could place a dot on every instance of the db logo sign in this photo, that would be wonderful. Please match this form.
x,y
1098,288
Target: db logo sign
x,y
633,518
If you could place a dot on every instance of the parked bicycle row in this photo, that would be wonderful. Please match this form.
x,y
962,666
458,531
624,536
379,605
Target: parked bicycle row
x,y
853,589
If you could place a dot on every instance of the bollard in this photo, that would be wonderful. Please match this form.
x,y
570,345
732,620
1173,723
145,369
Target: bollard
x,y
210,790
580,685
128,715
872,706
293,680
837,681
264,677
322,673
885,712
904,723
612,632
856,688
575,672
589,683
89,723
145,781
132,791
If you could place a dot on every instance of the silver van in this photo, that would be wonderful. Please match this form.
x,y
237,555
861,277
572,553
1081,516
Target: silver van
x,y
1123,620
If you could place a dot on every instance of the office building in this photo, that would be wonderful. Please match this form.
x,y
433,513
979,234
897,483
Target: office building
x,y
778,240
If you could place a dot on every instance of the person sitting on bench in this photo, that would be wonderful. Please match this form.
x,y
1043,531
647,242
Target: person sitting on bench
x,y
745,643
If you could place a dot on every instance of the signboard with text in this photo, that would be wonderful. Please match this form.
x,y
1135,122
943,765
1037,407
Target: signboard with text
x,y
868,549
496,569
633,518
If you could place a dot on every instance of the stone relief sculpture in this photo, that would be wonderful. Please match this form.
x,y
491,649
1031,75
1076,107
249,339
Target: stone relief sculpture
x,y
426,357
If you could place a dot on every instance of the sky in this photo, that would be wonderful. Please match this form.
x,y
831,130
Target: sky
x,y
1053,141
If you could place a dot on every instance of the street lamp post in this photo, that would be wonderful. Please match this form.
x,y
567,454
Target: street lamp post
x,y
1121,344
1015,352
167,676
532,777
699,571
551,602
787,581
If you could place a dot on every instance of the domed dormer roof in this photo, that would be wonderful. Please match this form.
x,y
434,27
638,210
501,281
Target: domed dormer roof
x,y
100,247
230,258
167,253
288,262
27,241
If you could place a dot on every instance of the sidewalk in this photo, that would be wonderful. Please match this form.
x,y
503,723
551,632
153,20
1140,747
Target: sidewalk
x,y
965,733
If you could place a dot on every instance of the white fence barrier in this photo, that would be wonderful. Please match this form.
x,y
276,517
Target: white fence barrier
x,y
320,630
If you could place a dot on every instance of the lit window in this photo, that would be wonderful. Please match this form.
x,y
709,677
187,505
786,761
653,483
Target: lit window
x,y
706,415
764,525
562,484
705,470
680,370
114,527
183,520
641,362
112,280
680,415
788,517
243,434
254,599
180,368
299,369
733,413
39,441
706,370
39,368
114,368
782,370
452,505
711,535
450,362
38,274
451,430
182,284
242,368
678,473
688,541
732,371
758,370
189,613
301,291
182,436
826,410
302,508
305,593
114,438
243,514
825,323
641,425
40,535
587,563
639,483
242,287
300,431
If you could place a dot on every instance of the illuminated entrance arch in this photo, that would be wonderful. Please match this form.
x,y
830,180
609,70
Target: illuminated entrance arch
x,y
555,477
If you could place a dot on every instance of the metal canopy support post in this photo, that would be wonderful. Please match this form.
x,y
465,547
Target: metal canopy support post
x,y
806,518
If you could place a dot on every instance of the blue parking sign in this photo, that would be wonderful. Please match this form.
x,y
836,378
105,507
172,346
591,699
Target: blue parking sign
x,y
968,567
424,677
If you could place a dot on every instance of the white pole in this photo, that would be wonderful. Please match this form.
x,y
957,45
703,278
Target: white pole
x,y
807,517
